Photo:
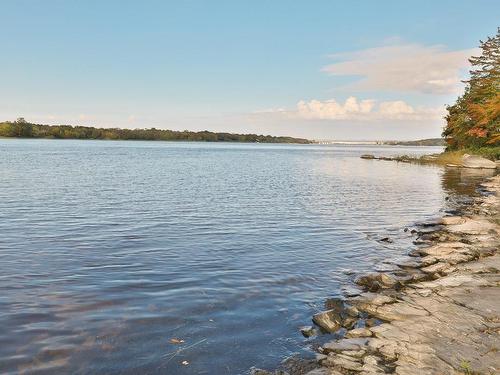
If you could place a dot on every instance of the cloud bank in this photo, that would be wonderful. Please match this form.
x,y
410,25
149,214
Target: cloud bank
x,y
359,110
403,68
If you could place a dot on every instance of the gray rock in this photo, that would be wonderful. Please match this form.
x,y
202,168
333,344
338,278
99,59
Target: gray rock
x,y
473,161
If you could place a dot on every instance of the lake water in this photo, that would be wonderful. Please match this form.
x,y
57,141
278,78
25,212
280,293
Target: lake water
x,y
110,249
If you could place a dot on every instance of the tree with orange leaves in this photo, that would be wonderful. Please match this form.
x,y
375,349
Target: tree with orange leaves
x,y
474,120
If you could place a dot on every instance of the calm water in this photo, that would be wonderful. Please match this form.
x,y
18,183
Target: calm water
x,y
110,249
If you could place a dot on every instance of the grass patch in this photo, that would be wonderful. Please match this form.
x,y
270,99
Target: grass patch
x,y
466,368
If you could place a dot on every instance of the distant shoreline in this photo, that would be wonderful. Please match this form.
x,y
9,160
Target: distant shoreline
x,y
24,129
419,142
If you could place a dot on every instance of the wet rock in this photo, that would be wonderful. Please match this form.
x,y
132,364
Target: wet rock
x,y
473,161
352,311
335,304
308,331
351,291
372,322
375,281
296,365
408,263
349,322
386,240
329,320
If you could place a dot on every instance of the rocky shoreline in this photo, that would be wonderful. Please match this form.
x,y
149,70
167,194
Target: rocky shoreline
x,y
437,312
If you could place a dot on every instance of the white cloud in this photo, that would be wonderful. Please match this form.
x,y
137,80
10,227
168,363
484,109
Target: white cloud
x,y
332,110
359,110
403,67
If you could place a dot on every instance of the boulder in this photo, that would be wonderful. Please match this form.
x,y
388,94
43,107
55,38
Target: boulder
x,y
473,161
367,156
329,320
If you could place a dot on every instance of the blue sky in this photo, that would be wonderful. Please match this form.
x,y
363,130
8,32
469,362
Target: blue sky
x,y
278,67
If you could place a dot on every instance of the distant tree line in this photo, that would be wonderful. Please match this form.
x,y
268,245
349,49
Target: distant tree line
x,y
24,129
474,120
420,142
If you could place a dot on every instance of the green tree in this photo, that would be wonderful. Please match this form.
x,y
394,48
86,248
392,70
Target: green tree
x,y
474,120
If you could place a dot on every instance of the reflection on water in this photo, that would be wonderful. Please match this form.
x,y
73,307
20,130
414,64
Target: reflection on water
x,y
463,181
108,250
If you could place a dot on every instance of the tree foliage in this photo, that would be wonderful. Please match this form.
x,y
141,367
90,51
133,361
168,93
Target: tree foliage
x,y
474,120
21,128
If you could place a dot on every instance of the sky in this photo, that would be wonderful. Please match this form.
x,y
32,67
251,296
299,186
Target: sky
x,y
345,70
